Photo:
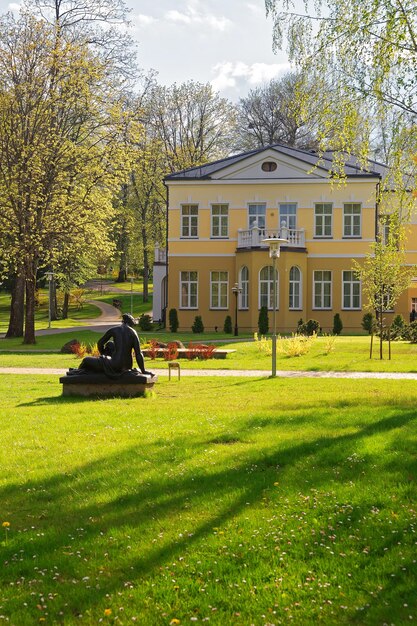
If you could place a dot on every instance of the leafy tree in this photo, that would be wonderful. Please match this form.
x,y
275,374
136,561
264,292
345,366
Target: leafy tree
x,y
367,52
384,274
59,148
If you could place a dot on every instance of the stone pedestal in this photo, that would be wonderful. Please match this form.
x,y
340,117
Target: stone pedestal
x,y
129,385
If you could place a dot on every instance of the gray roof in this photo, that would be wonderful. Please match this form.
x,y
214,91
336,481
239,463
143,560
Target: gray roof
x,y
310,157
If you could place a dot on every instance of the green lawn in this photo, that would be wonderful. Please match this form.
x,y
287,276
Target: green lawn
x,y
265,502
348,354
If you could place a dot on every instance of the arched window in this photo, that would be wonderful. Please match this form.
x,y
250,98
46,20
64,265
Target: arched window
x,y
266,287
295,288
244,286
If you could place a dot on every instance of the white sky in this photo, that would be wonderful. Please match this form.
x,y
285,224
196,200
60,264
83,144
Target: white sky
x,y
225,42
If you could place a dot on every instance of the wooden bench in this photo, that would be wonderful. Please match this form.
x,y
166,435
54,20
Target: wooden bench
x,y
129,385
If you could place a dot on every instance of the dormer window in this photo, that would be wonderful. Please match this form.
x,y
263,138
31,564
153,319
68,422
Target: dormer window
x,y
269,166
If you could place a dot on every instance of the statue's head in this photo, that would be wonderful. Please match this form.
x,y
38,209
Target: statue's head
x,y
128,319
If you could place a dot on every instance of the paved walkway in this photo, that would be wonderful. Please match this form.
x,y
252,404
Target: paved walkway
x,y
224,373
109,317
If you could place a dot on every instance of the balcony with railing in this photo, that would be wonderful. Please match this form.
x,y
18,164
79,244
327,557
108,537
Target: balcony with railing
x,y
252,237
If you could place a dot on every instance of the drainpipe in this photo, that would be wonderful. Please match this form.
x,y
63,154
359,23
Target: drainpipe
x,y
166,256
377,202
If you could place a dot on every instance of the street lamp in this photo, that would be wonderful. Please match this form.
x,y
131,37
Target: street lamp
x,y
131,295
274,244
236,290
49,276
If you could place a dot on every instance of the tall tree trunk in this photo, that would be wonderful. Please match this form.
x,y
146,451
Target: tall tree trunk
x,y
123,242
17,308
29,336
145,266
53,300
65,305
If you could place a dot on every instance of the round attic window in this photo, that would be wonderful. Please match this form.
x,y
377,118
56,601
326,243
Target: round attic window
x,y
269,166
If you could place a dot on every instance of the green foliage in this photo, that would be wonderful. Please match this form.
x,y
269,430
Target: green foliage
x,y
410,333
173,320
369,322
263,321
398,328
311,327
145,322
297,345
337,324
198,326
227,328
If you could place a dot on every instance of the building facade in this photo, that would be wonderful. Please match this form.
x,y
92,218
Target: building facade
x,y
216,262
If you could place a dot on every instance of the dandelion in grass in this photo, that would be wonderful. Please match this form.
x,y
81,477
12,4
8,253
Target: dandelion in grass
x,y
6,526
107,612
174,621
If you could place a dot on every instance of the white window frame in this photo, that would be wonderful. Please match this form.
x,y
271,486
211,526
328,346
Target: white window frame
x,y
219,290
189,280
265,288
290,219
220,221
244,288
350,224
350,285
320,284
254,218
320,222
189,221
295,299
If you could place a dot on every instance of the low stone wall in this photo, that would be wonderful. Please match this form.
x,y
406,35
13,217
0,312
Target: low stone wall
x,y
183,353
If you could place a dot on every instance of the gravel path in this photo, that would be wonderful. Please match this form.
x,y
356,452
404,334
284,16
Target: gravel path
x,y
223,373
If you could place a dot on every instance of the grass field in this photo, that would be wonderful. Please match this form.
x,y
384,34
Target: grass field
x,y
265,502
348,354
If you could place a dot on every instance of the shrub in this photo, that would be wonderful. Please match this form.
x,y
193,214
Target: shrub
x,y
398,328
411,332
297,345
329,343
368,322
205,352
228,325
153,349
337,324
263,322
198,326
311,327
264,344
300,323
171,352
173,320
145,322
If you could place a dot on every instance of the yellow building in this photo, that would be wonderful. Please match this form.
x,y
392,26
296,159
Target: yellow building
x,y
216,263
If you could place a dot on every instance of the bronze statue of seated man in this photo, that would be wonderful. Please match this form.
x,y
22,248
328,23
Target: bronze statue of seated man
x,y
115,348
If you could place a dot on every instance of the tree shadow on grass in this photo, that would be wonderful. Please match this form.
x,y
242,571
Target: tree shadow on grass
x,y
138,490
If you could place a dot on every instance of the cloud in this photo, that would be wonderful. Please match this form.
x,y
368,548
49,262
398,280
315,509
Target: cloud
x,y
229,74
258,10
14,6
143,20
193,15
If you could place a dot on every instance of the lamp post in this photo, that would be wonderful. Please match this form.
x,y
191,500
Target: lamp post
x,y
274,244
131,296
236,290
49,276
